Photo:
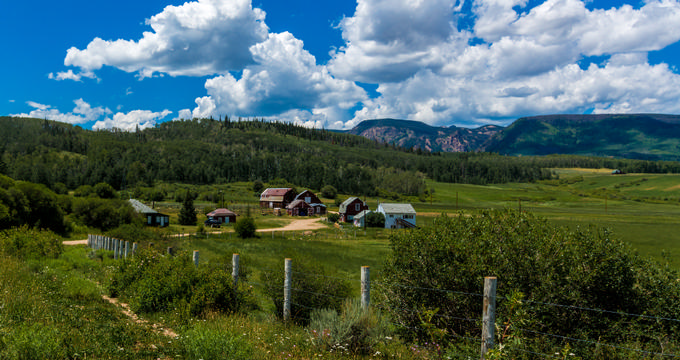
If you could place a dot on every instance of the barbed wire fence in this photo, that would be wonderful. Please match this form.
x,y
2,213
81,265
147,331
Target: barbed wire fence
x,y
485,323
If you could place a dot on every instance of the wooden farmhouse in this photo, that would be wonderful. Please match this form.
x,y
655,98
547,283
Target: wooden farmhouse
x,y
153,217
313,201
277,198
299,208
398,216
351,207
224,216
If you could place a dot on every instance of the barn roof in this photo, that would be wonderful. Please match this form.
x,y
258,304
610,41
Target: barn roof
x,y
346,203
141,208
398,208
221,212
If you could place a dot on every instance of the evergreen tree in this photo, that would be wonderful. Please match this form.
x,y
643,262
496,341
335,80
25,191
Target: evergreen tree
x,y
187,215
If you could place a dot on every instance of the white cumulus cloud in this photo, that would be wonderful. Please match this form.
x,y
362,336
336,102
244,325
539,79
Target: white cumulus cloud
x,y
197,38
131,121
513,58
285,78
82,113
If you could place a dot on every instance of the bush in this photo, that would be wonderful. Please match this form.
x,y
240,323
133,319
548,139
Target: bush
x,y
312,290
156,283
26,243
375,219
333,217
329,192
245,227
548,264
354,331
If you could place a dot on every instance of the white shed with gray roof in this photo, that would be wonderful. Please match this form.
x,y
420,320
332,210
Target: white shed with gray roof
x,y
398,216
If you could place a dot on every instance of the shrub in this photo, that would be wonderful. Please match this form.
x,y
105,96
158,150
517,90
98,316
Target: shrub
x,y
245,227
312,290
548,264
354,330
329,192
187,214
27,243
333,217
375,219
156,283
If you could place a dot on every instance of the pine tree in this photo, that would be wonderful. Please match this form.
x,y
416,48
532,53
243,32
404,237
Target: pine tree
x,y
187,215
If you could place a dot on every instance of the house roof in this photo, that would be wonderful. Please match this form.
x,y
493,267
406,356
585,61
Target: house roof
x,y
397,208
274,194
141,208
221,212
297,203
362,214
346,203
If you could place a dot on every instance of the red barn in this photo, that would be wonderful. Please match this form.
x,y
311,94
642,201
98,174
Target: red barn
x,y
351,207
310,198
299,208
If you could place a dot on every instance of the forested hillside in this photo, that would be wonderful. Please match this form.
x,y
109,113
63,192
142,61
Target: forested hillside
x,y
210,151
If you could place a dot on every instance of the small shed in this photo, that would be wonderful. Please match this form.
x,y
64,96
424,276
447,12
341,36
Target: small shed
x,y
299,208
360,218
224,216
351,207
398,216
153,217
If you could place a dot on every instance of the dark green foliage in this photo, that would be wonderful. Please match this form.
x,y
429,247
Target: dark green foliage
x,y
258,186
103,214
375,219
245,227
83,191
333,217
311,290
25,243
187,214
584,268
329,192
31,204
105,191
157,283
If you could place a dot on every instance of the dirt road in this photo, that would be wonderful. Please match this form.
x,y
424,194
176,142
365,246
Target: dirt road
x,y
295,225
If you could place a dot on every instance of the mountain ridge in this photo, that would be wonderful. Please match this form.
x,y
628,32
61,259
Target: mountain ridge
x,y
632,136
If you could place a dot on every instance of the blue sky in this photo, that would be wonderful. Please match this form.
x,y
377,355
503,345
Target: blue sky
x,y
129,64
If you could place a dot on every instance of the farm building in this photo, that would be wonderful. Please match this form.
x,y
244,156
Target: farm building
x,y
153,217
313,200
351,207
360,218
277,197
224,216
398,216
299,208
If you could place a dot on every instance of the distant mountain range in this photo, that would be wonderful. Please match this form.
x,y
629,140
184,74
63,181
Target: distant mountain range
x,y
633,136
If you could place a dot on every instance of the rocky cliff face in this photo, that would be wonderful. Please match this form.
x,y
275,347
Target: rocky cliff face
x,y
413,134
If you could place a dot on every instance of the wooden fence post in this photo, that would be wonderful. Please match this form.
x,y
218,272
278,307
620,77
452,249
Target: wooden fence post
x,y
134,249
115,249
287,284
127,249
235,268
196,258
489,314
365,287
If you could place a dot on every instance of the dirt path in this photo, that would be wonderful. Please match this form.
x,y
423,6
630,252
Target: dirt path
x,y
295,225
126,310
298,225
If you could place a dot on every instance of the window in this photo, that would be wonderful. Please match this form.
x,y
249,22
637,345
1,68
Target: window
x,y
357,207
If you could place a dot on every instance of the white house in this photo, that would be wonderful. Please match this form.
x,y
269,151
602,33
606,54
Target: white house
x,y
398,216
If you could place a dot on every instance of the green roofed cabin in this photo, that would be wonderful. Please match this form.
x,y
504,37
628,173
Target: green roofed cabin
x,y
153,217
